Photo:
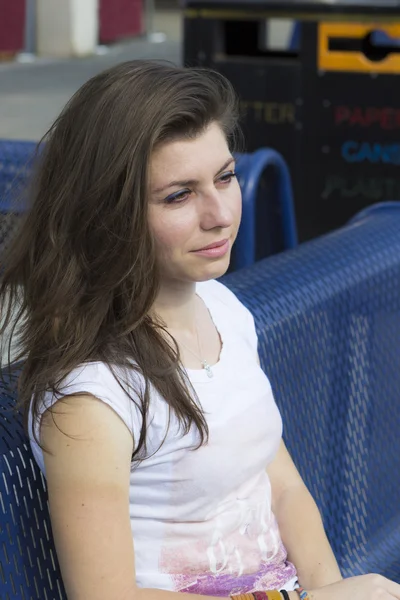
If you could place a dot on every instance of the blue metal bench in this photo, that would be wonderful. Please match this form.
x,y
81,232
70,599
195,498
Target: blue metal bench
x,y
15,167
328,318
268,221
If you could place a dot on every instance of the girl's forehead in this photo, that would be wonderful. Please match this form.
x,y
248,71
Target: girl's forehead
x,y
178,157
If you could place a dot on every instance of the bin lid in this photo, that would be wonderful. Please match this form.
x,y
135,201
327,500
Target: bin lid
x,y
288,7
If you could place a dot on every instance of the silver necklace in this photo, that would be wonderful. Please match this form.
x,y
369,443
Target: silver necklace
x,y
205,365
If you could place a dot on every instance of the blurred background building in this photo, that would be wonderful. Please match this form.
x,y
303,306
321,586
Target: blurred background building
x,y
49,48
77,27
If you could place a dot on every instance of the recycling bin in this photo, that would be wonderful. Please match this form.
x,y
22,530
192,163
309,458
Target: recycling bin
x,y
327,102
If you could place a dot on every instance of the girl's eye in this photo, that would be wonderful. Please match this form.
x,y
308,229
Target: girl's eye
x,y
183,195
227,177
177,197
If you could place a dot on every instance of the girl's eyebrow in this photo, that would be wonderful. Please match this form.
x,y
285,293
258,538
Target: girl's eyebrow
x,y
191,182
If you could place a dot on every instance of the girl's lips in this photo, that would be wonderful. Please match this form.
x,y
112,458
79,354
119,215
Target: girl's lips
x,y
214,251
214,245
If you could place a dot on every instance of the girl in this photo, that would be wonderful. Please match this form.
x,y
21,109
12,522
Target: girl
x,y
145,403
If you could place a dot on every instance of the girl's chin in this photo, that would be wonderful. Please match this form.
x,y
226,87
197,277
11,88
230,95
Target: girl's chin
x,y
213,271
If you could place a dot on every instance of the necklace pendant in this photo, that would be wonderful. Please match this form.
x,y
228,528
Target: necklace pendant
x,y
207,369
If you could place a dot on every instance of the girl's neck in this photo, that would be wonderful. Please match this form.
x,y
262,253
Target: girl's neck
x,y
176,305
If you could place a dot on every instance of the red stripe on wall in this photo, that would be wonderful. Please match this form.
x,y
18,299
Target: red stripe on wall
x,y
12,25
120,19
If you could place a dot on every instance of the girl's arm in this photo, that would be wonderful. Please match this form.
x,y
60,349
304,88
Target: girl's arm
x,y
88,473
300,524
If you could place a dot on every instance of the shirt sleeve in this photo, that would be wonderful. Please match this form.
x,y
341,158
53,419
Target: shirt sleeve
x,y
97,379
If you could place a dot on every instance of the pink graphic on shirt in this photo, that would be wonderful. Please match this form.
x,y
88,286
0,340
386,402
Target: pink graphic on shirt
x,y
272,575
239,550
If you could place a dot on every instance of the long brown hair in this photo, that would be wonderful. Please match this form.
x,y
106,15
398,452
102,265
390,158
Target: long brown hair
x,y
81,272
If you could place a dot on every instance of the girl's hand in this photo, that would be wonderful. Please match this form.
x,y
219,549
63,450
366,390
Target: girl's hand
x,y
364,587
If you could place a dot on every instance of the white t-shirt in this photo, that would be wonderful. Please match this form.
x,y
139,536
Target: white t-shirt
x,y
201,519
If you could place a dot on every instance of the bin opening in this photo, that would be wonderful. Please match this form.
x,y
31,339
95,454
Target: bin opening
x,y
253,39
370,45
382,38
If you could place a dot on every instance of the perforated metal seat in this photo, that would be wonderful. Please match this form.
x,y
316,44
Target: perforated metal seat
x,y
28,560
328,318
16,159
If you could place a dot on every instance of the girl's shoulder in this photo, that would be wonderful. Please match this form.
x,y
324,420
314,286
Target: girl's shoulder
x,y
112,385
215,291
216,295
228,309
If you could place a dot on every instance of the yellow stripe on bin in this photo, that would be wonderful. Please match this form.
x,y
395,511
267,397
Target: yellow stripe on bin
x,y
255,13
356,62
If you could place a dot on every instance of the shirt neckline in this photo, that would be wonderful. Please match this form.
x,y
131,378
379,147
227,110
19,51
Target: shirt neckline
x,y
200,375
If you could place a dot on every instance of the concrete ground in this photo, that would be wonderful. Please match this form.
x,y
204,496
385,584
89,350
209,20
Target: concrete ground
x,y
33,94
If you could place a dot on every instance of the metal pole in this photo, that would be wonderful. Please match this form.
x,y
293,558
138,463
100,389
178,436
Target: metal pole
x,y
30,27
152,36
150,10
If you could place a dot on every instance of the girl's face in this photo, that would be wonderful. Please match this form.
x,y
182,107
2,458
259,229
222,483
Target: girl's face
x,y
194,206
